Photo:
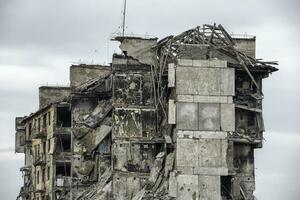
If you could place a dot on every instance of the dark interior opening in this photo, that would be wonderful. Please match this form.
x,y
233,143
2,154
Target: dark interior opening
x,y
63,117
44,147
63,168
44,121
63,143
29,129
226,186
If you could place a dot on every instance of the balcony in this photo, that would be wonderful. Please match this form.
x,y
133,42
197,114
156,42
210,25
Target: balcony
x,y
39,160
40,189
26,169
25,191
40,134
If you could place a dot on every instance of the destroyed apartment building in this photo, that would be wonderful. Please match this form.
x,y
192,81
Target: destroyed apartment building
x,y
177,118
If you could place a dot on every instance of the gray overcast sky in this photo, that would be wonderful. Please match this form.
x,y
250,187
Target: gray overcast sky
x,y
40,39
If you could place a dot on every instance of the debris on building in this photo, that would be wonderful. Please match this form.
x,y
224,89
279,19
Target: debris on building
x,y
177,118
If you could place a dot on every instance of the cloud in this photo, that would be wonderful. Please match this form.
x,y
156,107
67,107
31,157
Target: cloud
x,y
6,150
277,165
11,178
8,154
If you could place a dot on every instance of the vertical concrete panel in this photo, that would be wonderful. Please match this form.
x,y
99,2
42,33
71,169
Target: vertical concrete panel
x,y
172,112
208,81
186,80
120,156
171,75
119,187
205,81
209,156
227,82
187,116
210,187
172,185
187,188
187,152
227,117
133,186
200,81
209,117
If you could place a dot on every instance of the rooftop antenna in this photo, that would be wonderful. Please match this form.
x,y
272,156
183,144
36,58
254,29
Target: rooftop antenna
x,y
124,18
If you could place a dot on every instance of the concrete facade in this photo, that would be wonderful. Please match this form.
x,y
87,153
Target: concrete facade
x,y
201,127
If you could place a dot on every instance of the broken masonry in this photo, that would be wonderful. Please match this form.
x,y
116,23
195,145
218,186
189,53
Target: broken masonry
x,y
177,118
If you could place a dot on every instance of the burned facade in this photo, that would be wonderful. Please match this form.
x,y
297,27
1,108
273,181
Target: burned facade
x,y
177,118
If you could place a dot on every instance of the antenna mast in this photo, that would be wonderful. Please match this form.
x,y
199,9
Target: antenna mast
x,y
124,18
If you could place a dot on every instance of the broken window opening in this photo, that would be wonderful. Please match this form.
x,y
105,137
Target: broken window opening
x,y
63,117
226,186
64,143
38,177
43,174
44,147
63,168
29,129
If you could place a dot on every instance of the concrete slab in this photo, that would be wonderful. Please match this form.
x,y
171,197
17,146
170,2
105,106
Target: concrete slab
x,y
210,99
185,98
201,134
